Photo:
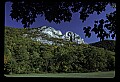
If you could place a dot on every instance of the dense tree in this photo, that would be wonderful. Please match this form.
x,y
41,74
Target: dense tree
x,y
106,44
23,55
110,60
7,60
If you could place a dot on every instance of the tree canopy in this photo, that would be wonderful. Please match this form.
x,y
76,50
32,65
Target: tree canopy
x,y
23,55
58,11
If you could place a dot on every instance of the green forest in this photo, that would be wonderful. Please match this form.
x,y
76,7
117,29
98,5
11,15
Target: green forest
x,y
22,55
106,44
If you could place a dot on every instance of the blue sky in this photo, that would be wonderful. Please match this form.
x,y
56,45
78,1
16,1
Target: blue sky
x,y
75,25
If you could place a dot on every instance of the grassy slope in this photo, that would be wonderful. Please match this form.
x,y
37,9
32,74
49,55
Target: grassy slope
x,y
110,74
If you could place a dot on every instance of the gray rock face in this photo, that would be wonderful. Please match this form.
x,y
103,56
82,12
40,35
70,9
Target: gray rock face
x,y
73,37
43,40
52,33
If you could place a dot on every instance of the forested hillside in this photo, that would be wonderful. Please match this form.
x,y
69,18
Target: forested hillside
x,y
106,44
23,55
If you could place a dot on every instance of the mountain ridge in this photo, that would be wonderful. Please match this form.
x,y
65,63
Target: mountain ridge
x,y
28,56
106,44
50,32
